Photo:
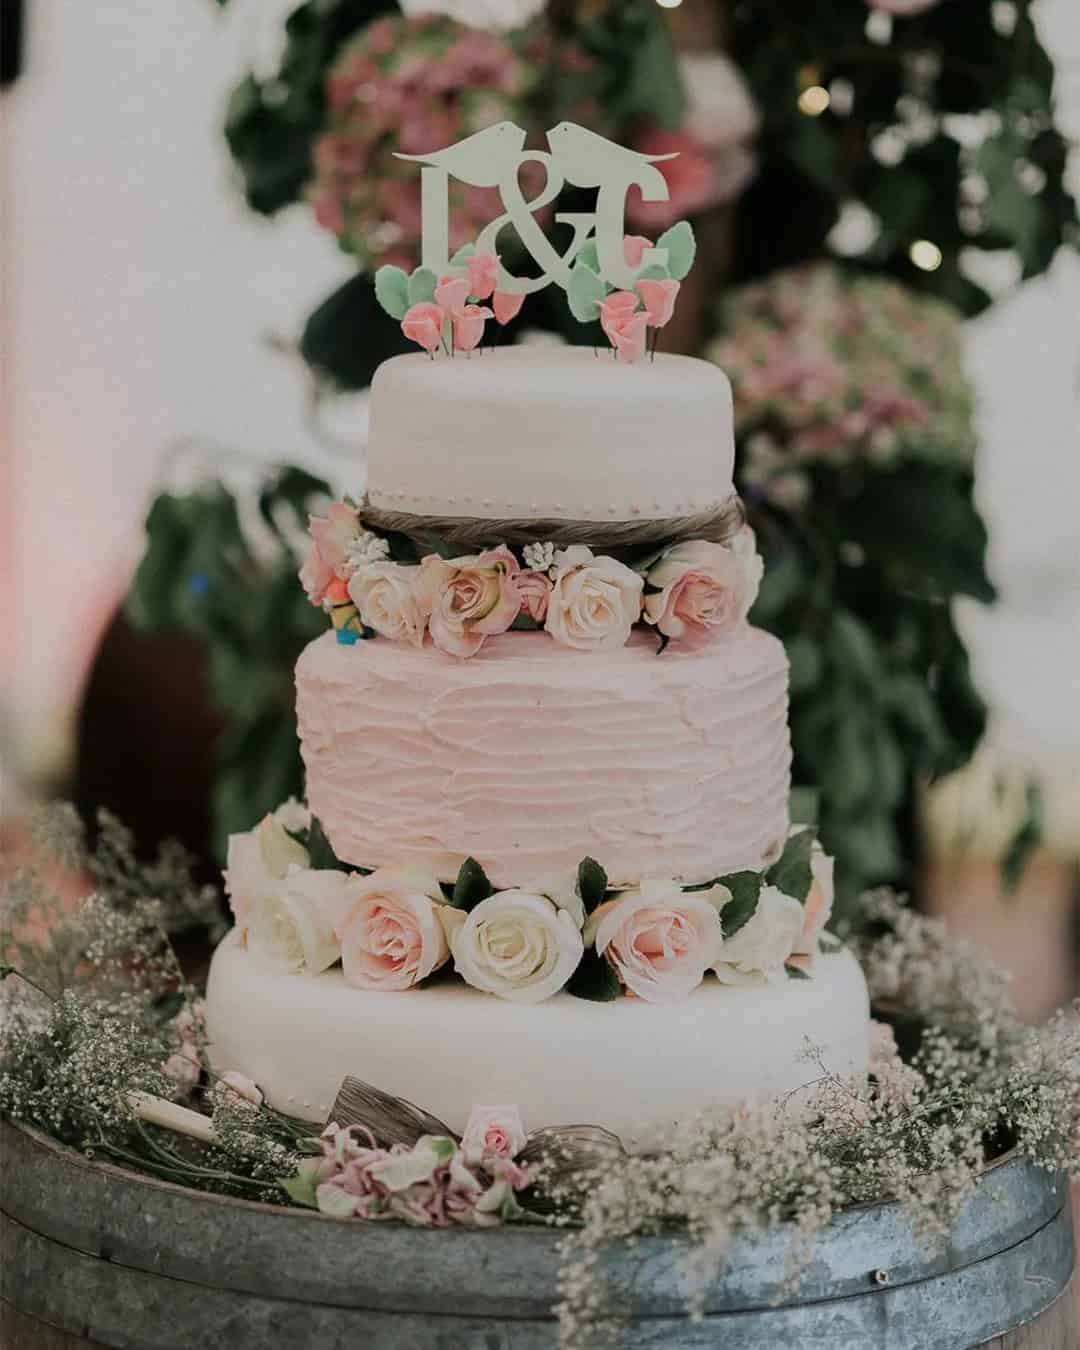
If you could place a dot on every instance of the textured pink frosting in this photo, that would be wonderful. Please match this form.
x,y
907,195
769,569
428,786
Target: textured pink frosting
x,y
531,756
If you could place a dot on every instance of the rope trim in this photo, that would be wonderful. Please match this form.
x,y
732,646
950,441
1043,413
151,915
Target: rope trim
x,y
472,533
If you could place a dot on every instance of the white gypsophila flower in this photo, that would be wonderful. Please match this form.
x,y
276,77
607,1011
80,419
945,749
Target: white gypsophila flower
x,y
366,548
539,556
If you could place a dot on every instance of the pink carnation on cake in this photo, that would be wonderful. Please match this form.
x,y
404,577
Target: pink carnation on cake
x,y
327,559
468,325
659,298
697,588
594,602
507,305
483,270
659,939
423,324
535,591
391,934
469,599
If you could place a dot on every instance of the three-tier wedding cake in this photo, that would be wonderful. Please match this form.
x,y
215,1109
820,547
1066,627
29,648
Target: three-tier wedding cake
x,y
546,857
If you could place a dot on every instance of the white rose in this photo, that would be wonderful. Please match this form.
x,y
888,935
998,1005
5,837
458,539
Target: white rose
x,y
520,946
595,602
757,952
744,546
291,926
818,906
493,1131
659,938
257,860
385,595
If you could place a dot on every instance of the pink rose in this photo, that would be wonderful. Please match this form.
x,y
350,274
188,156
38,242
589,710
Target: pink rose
x,y
658,298
493,1132
468,326
625,328
697,588
483,274
469,599
691,180
507,304
423,324
391,934
817,907
535,590
451,294
659,939
634,246
328,559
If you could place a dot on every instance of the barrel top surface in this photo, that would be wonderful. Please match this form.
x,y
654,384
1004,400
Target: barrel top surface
x,y
216,1241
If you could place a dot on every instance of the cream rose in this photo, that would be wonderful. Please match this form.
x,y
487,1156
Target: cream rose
x,y
385,595
757,952
469,599
697,588
493,1132
291,926
659,938
594,602
391,934
521,946
818,905
256,861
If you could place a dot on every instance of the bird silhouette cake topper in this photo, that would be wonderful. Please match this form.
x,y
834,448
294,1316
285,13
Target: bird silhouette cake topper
x,y
626,282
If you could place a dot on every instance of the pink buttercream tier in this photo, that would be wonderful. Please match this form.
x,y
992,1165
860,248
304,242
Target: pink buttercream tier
x,y
531,756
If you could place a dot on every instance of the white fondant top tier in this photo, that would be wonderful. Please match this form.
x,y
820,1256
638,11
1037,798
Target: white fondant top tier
x,y
550,433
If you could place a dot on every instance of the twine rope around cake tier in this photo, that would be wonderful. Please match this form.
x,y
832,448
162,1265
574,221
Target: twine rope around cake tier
x,y
470,534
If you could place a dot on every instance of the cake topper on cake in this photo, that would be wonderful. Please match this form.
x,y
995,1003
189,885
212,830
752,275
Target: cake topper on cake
x,y
626,282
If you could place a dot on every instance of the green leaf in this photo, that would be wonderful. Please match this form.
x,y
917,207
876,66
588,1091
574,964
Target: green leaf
x,y
745,888
5,971
852,647
592,883
322,855
471,887
300,1190
653,273
791,872
392,287
681,246
585,293
796,972
1021,847
805,661
462,256
422,285
594,979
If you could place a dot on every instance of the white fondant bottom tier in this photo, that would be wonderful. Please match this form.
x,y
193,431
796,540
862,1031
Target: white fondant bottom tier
x,y
631,1066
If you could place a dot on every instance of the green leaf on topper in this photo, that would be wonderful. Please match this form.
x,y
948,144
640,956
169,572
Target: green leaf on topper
x,y
791,872
392,290
471,887
587,292
422,285
681,249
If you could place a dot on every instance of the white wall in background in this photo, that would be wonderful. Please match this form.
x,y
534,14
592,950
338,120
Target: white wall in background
x,y
139,293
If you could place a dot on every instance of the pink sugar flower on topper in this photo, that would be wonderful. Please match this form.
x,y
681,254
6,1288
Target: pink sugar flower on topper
x,y
483,269
624,325
452,294
423,324
468,324
507,304
658,298
634,246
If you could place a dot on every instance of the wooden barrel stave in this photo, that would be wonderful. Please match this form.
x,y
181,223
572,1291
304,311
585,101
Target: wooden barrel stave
x,y
127,1261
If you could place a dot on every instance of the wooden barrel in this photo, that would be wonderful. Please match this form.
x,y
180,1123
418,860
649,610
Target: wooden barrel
x,y
91,1255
